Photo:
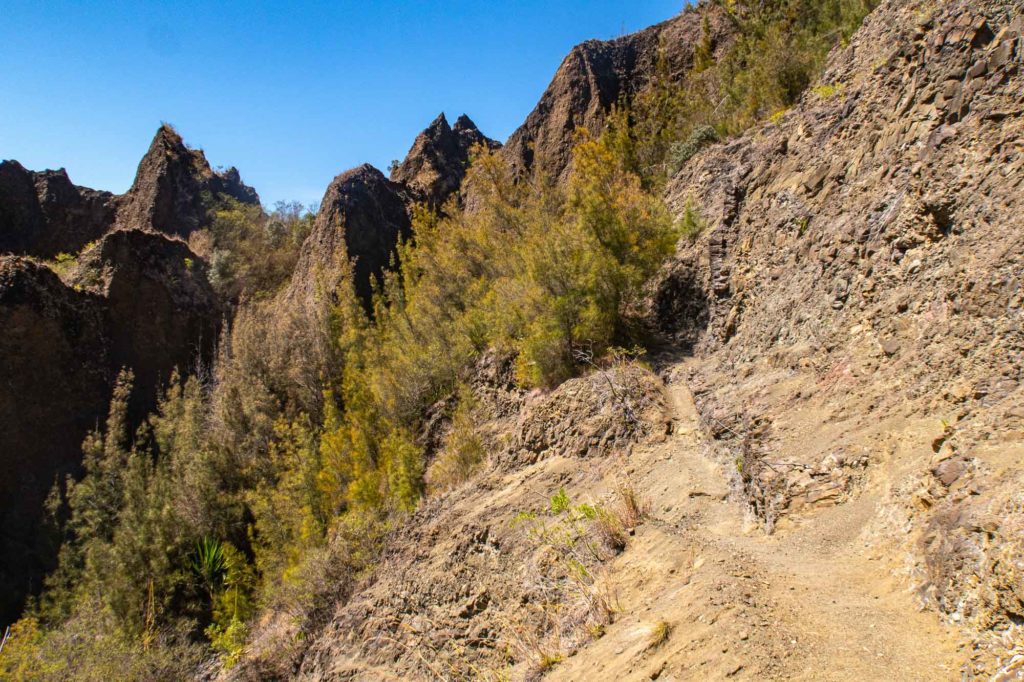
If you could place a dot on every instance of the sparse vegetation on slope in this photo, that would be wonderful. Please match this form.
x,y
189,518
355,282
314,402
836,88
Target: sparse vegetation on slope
x,y
234,494
270,482
778,50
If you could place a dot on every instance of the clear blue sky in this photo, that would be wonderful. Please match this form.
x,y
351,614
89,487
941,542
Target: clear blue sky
x,y
290,93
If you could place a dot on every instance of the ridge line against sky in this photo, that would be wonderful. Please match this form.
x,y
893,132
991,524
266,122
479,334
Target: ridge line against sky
x,y
290,94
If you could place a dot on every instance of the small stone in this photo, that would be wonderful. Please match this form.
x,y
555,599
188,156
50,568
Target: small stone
x,y
890,347
949,471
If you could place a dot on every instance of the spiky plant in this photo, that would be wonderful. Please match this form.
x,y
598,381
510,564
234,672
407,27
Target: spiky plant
x,y
210,564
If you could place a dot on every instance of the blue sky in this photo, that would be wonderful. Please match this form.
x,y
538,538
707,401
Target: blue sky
x,y
290,93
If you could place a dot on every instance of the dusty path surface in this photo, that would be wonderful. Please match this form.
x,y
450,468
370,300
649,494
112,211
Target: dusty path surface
x,y
703,593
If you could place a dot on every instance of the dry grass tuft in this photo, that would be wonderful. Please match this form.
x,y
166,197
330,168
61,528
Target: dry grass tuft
x,y
659,634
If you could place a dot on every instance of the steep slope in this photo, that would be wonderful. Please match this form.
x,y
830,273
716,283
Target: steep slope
x,y
436,164
362,217
460,576
860,287
43,214
843,449
598,74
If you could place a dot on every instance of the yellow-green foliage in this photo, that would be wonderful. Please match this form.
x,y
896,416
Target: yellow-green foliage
x,y
779,49
91,646
692,223
251,252
660,633
533,270
232,606
290,468
62,263
828,91
285,504
463,449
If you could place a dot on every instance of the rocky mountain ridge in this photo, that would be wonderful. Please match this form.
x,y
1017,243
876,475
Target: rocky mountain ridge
x,y
598,74
834,413
846,431
133,295
436,164
43,213
175,186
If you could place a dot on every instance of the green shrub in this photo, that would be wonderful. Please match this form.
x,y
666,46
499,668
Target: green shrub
x,y
778,49
463,449
681,152
691,223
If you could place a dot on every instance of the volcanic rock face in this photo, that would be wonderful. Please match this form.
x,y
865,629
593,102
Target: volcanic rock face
x,y
43,214
436,164
139,300
55,367
363,216
866,252
175,188
135,298
596,75
159,308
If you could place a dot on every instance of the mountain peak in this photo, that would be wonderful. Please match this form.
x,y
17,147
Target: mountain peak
x,y
436,164
439,124
173,185
464,123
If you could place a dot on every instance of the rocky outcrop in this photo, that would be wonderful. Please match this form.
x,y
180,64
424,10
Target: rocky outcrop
x,y
55,369
597,74
175,188
134,297
463,576
362,217
859,292
43,213
159,309
137,299
436,164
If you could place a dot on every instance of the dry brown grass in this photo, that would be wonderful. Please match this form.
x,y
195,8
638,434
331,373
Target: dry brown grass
x,y
659,634
634,507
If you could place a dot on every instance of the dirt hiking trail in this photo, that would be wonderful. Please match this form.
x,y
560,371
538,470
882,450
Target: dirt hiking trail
x,y
703,592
